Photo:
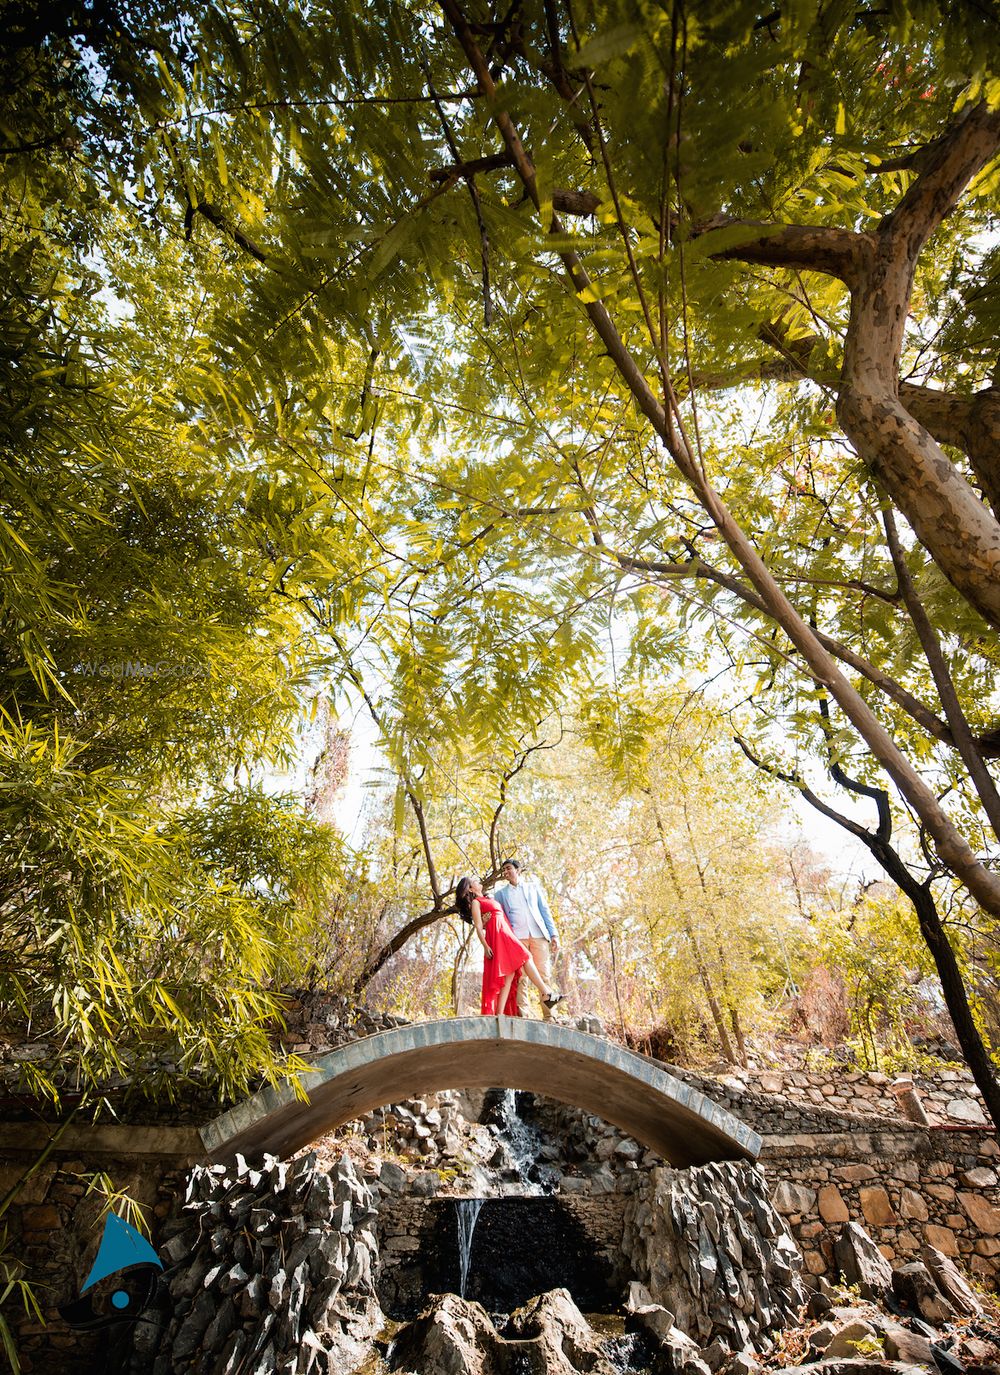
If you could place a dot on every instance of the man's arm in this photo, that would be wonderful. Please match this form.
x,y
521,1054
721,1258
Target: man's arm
x,y
500,896
545,914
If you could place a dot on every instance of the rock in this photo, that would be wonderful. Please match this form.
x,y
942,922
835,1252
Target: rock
x,y
251,1301
192,1327
911,1204
978,1178
679,1355
855,1174
743,1364
916,1291
716,1355
860,1365
654,1320
451,1337
393,1178
984,1216
425,1184
846,1339
628,1150
790,1199
456,1337
951,1282
819,1305
966,1110
221,1326
637,1296
822,1336
231,1356
977,1352
876,1207
942,1238
832,1207
563,1334
946,1363
903,1345
862,1263
233,1279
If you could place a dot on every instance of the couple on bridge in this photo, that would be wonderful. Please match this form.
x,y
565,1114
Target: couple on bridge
x,y
518,935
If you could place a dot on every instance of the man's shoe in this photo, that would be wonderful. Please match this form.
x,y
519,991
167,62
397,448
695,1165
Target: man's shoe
x,y
553,999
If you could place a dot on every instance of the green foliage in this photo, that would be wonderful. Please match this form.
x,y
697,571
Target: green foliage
x,y
878,952
258,431
134,941
667,874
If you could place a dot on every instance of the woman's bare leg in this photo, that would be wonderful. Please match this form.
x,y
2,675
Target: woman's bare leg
x,y
504,990
531,969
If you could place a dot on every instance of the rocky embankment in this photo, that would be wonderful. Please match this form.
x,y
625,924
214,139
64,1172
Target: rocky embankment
x,y
277,1270
270,1270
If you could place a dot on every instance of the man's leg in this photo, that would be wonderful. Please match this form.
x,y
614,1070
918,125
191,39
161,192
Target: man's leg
x,y
541,953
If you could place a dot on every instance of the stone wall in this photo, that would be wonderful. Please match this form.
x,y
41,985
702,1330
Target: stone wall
x,y
269,1268
907,1186
948,1096
54,1226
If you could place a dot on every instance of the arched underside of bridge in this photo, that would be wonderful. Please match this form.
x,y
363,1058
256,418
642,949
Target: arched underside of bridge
x,y
634,1093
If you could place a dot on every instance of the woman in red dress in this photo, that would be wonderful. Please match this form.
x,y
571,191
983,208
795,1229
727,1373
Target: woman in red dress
x,y
504,957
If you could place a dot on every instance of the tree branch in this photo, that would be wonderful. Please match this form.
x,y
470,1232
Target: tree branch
x,y
914,708
221,221
952,846
946,168
828,249
931,929
933,653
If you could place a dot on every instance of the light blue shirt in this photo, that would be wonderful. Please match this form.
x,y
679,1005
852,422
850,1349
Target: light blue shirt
x,y
539,919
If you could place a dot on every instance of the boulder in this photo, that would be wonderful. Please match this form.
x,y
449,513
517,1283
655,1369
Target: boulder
x,y
452,1336
915,1289
951,1282
560,1334
862,1263
902,1345
846,1340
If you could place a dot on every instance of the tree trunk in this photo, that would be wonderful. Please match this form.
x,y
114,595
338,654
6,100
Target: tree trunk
x,y
713,1002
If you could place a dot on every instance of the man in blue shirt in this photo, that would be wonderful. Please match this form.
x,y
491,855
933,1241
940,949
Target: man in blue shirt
x,y
531,921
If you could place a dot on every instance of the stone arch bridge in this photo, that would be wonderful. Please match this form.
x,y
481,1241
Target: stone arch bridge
x,y
588,1072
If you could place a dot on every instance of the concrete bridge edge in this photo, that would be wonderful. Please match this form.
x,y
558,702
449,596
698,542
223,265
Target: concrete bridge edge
x,y
590,1072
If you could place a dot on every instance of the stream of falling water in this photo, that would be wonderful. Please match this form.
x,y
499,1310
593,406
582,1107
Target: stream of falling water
x,y
467,1214
522,1140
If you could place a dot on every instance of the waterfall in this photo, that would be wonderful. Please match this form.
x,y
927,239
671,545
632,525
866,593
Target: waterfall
x,y
466,1214
522,1141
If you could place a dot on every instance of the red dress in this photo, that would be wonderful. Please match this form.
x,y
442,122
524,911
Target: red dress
x,y
509,957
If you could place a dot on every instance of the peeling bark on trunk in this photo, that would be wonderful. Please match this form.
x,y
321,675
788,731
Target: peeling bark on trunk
x,y
959,532
969,423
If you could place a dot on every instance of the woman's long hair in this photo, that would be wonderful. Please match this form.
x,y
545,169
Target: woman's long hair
x,y
463,898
